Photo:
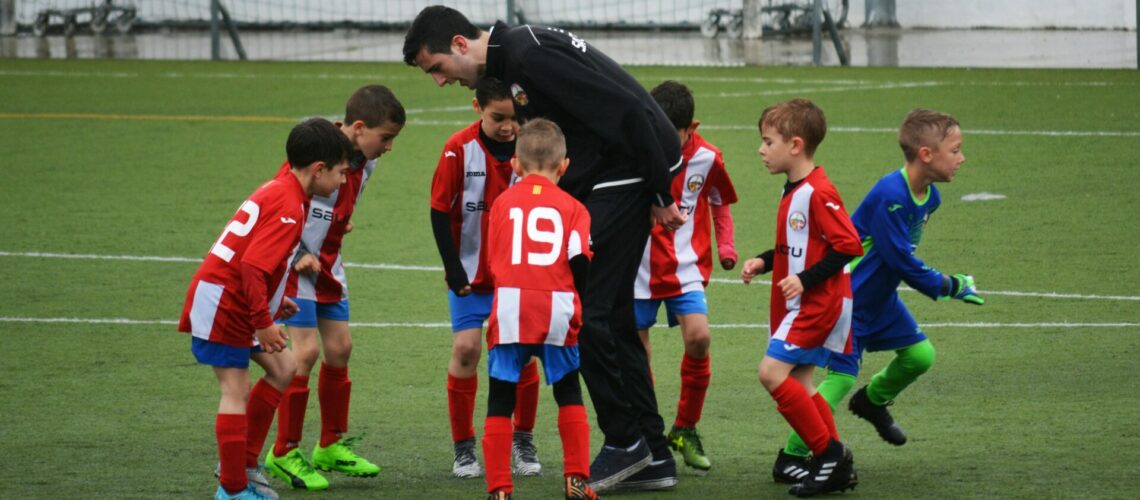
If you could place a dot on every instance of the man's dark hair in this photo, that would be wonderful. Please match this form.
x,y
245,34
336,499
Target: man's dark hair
x,y
374,105
317,139
433,28
491,89
676,100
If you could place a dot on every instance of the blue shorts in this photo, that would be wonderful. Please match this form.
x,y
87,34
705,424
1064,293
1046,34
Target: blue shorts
x,y
796,355
222,355
687,303
901,333
309,310
506,361
470,311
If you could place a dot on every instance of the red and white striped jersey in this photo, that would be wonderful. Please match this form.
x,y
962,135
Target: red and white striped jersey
x,y
263,233
677,262
467,181
535,229
325,227
811,221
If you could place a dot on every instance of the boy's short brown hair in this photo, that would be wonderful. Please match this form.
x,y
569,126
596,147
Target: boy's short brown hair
x,y
924,127
540,145
374,105
797,118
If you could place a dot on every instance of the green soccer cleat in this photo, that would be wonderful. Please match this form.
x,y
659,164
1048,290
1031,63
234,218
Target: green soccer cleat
x,y
295,469
340,457
687,441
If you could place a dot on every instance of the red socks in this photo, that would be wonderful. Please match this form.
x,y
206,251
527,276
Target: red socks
x,y
575,433
259,410
291,416
793,402
826,415
497,438
230,430
333,390
526,398
461,406
695,375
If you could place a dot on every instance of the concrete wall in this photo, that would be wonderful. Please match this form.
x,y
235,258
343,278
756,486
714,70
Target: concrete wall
x,y
1025,14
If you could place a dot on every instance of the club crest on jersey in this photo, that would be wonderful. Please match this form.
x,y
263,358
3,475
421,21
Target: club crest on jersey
x,y
695,182
519,94
797,221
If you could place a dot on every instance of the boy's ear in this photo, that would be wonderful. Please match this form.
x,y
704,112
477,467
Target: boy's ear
x,y
318,167
693,126
516,166
797,145
475,104
925,154
563,166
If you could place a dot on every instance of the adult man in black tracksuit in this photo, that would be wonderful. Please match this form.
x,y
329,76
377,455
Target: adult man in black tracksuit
x,y
623,152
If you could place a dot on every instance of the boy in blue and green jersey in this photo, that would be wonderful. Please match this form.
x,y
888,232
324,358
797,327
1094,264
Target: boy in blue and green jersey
x,y
890,222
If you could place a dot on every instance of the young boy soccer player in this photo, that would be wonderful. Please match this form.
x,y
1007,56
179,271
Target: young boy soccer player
x,y
811,293
473,170
373,118
890,221
676,265
539,255
239,289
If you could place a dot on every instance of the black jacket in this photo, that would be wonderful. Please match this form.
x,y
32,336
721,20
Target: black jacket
x,y
616,134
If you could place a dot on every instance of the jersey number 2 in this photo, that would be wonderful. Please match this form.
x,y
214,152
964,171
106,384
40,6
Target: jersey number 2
x,y
238,229
533,233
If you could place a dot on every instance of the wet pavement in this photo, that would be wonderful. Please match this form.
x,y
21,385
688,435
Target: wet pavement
x,y
878,47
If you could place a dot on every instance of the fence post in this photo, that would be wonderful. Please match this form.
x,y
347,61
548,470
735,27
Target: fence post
x,y
8,17
881,13
817,33
215,30
753,27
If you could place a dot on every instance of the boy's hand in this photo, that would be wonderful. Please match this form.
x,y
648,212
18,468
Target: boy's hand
x,y
791,286
727,264
669,216
348,228
287,310
272,339
962,288
307,263
751,268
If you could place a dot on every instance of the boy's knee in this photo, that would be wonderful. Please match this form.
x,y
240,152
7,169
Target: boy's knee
x,y
770,379
697,345
466,354
338,351
919,358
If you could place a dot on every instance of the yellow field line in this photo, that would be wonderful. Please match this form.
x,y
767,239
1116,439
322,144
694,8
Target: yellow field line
x,y
171,118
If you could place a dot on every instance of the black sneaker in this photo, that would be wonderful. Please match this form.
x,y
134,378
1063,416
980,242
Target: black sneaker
x,y
831,472
612,465
878,416
658,475
790,469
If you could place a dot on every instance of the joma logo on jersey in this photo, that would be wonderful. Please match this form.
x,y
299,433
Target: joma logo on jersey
x,y
797,221
476,173
323,214
476,206
796,252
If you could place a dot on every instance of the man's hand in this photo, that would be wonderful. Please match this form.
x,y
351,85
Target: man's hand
x,y
287,310
307,263
791,286
962,288
272,339
752,267
669,216
348,228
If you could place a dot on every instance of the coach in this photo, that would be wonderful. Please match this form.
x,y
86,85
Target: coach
x,y
623,152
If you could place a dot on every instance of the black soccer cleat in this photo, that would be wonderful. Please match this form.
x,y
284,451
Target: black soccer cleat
x,y
832,472
658,475
878,416
790,469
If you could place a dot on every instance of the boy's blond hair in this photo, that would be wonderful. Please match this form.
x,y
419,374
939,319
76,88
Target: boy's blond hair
x,y
797,118
541,145
924,127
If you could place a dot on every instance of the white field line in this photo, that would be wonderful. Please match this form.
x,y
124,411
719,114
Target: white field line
x,y
403,267
750,326
820,90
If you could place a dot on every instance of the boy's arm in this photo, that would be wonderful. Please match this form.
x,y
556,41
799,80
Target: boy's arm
x,y
760,264
452,267
890,236
725,244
